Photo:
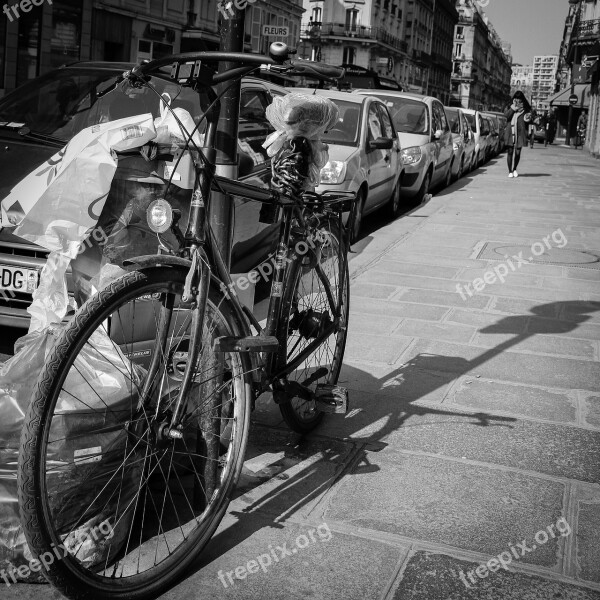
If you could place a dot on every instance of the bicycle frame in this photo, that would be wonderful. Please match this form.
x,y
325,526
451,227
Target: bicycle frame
x,y
201,248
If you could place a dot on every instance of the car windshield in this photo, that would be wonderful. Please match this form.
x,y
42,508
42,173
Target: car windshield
x,y
453,120
66,101
346,131
408,116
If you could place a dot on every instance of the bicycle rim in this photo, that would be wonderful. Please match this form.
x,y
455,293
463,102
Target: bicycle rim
x,y
309,309
128,507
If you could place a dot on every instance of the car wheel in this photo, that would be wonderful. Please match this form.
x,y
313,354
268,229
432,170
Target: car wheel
x,y
358,215
424,189
394,203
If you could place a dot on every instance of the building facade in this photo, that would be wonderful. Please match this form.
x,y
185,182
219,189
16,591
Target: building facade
x,y
521,79
369,34
544,80
580,67
481,70
66,31
445,19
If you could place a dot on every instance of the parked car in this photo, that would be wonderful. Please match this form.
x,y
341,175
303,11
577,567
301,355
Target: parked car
x,y
424,132
475,119
364,155
40,117
464,141
501,122
495,134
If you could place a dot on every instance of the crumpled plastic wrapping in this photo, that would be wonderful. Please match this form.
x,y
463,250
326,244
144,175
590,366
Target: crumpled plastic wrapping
x,y
301,115
85,459
169,131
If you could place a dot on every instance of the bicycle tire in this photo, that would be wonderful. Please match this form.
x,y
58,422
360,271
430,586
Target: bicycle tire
x,y
190,512
305,291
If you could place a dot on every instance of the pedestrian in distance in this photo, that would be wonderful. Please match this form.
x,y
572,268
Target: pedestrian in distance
x,y
581,130
550,127
518,116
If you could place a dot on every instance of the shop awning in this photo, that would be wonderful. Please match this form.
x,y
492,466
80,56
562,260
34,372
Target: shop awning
x,y
582,90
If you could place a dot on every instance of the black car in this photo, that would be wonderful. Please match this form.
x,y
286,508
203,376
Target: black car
x,y
40,117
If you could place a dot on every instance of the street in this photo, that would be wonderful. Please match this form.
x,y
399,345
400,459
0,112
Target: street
x,y
468,466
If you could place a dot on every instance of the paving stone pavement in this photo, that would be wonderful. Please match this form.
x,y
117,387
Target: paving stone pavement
x,y
468,467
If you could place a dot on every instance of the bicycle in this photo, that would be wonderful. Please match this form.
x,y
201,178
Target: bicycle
x,y
129,458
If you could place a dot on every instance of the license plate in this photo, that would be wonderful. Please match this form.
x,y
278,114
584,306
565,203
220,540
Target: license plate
x,y
18,279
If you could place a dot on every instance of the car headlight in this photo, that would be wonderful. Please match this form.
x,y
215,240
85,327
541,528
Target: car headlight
x,y
412,155
333,172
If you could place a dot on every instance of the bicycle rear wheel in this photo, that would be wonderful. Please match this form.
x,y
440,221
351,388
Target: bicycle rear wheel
x,y
128,507
316,290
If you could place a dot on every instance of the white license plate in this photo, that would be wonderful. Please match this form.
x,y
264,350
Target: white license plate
x,y
18,279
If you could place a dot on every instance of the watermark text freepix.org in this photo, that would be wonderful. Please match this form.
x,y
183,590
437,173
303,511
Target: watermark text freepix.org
x,y
514,262
517,551
225,7
14,11
275,555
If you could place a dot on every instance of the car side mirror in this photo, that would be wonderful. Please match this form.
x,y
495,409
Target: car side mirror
x,y
380,143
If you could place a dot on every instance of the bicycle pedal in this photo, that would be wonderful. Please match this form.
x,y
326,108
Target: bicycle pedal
x,y
332,399
253,343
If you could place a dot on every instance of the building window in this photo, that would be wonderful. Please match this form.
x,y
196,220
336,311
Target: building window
x,y
316,14
28,52
351,19
66,32
349,55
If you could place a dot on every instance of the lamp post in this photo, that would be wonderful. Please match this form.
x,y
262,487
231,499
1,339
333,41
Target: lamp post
x,y
575,31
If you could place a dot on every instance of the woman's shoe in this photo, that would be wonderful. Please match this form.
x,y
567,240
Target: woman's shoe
x,y
510,175
515,174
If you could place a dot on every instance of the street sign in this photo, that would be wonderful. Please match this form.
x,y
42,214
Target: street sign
x,y
573,99
275,31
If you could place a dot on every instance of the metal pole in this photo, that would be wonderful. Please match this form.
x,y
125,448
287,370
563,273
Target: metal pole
x,y
576,31
221,214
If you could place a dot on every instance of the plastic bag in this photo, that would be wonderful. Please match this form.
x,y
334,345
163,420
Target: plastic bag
x,y
301,115
91,441
58,204
169,131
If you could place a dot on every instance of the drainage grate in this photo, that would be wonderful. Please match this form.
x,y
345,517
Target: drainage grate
x,y
583,259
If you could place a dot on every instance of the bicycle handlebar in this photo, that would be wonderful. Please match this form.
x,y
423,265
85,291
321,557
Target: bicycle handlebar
x,y
279,58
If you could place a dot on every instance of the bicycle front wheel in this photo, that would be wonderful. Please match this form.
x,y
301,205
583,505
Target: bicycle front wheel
x,y
112,505
316,297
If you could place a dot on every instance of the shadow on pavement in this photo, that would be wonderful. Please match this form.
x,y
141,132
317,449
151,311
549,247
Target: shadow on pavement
x,y
384,410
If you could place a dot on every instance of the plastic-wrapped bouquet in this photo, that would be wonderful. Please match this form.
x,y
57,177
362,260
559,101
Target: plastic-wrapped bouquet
x,y
299,154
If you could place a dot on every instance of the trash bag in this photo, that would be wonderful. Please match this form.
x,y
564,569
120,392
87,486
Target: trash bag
x,y
91,442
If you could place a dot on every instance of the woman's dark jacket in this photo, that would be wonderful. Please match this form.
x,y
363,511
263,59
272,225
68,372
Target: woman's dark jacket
x,y
522,129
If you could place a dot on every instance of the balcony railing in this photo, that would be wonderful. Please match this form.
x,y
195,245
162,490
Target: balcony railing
x,y
317,30
587,29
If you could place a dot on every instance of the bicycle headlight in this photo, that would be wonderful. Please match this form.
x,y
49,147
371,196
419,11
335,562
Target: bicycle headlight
x,y
159,215
333,172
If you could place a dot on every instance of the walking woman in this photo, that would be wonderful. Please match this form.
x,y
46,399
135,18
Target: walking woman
x,y
518,115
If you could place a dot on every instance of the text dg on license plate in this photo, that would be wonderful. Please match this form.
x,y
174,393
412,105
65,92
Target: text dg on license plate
x,y
18,279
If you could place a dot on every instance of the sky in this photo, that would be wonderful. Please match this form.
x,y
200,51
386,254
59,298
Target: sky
x,y
532,27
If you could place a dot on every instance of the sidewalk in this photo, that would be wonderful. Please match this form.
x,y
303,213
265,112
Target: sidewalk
x,y
474,434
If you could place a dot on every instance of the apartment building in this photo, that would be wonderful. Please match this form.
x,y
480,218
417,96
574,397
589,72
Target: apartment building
x,y
445,19
481,71
521,79
369,34
65,31
544,80
579,70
